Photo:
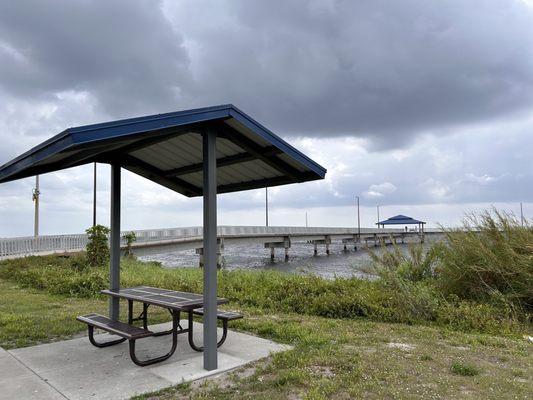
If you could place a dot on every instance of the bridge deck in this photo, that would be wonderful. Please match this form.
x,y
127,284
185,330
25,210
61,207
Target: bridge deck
x,y
158,241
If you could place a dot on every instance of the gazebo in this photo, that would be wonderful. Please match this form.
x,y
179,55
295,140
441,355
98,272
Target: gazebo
x,y
402,220
198,152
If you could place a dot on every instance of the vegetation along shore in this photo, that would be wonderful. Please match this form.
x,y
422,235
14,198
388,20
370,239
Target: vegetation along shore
x,y
452,322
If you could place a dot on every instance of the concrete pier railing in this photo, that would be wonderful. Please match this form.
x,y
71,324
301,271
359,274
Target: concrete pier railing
x,y
50,244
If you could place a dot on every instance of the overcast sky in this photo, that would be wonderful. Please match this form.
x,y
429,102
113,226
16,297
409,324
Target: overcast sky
x,y
424,108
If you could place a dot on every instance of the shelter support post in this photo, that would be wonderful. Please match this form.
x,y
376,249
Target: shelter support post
x,y
114,267
210,249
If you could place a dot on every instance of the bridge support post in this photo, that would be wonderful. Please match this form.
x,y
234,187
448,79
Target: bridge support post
x,y
220,254
286,244
315,249
328,241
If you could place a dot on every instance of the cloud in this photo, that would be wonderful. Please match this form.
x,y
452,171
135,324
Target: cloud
x,y
382,70
410,104
380,190
124,53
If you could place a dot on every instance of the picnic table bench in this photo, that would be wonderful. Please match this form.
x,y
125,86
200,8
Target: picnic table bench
x,y
174,301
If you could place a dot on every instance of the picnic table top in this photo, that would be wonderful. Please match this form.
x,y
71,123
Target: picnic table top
x,y
162,297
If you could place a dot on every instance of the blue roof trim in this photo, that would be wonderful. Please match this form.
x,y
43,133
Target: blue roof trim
x,y
125,129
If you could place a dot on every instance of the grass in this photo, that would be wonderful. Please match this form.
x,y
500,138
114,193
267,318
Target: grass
x,y
343,359
31,316
443,324
463,369
489,259
337,358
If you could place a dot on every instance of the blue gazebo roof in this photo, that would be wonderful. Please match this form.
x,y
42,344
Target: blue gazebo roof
x,y
167,149
400,220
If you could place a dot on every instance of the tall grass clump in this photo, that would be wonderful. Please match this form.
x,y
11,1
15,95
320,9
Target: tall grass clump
x,y
414,265
490,258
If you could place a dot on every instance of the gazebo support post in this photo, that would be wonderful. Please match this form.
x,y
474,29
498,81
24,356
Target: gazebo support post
x,y
114,267
210,249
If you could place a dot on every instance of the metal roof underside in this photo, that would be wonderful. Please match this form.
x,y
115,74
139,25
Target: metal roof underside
x,y
400,220
167,149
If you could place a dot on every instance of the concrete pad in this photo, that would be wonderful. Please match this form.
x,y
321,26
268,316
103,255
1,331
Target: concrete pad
x,y
74,369
19,382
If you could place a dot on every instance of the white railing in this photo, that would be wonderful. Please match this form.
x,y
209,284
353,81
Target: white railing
x,y
22,246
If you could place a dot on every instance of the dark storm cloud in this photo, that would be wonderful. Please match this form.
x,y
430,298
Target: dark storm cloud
x,y
374,68
125,53
323,74
380,69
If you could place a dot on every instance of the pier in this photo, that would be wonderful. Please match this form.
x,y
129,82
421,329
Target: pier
x,y
158,241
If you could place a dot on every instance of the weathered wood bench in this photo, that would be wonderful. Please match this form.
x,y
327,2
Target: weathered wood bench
x,y
224,316
126,332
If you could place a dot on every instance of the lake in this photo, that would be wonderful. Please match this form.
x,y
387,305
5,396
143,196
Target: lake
x,y
301,259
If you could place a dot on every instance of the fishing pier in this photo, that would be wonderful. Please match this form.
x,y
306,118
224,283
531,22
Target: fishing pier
x,y
159,241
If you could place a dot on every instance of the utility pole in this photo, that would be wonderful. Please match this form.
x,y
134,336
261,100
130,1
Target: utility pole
x,y
94,196
378,214
266,205
358,218
35,197
521,214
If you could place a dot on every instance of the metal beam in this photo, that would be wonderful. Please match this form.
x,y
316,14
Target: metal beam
x,y
261,183
256,150
223,162
210,249
114,265
142,168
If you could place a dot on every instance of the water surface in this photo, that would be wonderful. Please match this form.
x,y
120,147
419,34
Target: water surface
x,y
301,260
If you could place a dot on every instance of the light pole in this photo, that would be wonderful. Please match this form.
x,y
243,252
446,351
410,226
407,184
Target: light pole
x,y
266,205
35,197
306,219
378,214
521,215
358,218
94,196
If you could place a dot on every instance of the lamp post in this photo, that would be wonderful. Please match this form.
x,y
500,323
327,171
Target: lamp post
x,y
378,214
35,196
94,196
358,218
266,206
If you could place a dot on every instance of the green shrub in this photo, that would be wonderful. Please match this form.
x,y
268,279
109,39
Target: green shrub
x,y
393,298
98,246
414,265
130,238
489,259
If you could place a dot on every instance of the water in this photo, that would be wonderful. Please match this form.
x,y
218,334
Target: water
x,y
301,259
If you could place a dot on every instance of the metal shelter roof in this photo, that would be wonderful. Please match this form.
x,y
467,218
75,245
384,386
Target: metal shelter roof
x,y
167,149
400,220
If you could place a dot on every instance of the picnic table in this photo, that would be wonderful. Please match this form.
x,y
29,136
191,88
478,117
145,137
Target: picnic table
x,y
174,301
